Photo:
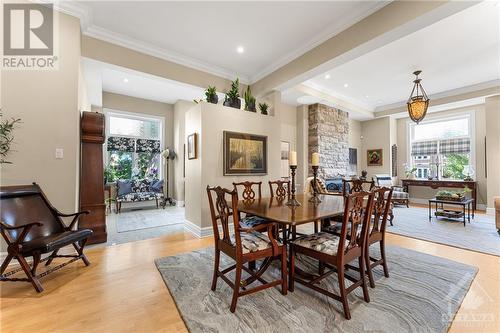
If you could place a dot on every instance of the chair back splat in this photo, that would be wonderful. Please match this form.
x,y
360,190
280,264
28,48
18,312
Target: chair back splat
x,y
222,212
248,192
282,190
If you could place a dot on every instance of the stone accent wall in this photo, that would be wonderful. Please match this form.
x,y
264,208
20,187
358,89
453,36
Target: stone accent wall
x,y
329,136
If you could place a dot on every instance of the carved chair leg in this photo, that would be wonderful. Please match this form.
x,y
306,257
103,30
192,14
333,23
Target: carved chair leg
x,y
291,273
52,256
284,286
157,204
6,263
26,268
236,290
216,269
362,276
384,262
36,260
343,293
369,268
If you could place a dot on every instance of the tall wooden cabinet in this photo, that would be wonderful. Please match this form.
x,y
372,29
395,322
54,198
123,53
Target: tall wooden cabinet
x,y
91,176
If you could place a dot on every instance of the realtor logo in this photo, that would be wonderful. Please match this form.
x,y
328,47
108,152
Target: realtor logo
x,y
28,36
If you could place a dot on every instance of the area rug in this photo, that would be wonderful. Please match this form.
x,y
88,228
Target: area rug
x,y
480,235
148,218
422,294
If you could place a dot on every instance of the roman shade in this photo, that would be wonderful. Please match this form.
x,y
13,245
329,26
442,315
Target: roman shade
x,y
116,143
424,148
454,146
147,146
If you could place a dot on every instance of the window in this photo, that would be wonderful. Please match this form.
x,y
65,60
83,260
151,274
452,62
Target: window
x,y
133,146
442,147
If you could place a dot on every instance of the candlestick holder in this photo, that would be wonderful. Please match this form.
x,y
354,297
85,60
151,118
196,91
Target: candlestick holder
x,y
292,201
315,199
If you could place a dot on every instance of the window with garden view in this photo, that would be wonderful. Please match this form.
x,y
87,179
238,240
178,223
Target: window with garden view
x,y
133,147
442,148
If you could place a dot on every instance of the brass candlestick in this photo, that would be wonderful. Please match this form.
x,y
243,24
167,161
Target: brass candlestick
x,y
292,201
315,199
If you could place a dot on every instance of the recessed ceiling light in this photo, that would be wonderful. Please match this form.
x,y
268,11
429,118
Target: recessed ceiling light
x,y
240,49
346,85
125,80
366,96
327,76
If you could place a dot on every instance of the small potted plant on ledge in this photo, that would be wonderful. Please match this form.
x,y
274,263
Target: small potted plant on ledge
x,y
249,100
211,95
263,107
233,95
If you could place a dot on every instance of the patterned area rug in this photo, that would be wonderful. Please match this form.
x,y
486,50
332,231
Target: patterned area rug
x,y
479,235
422,294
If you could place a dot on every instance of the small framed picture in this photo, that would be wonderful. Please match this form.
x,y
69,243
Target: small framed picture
x,y
374,157
192,146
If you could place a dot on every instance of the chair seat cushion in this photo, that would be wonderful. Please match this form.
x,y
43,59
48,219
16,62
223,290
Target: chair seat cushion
x,y
56,241
253,241
323,242
140,196
252,221
399,195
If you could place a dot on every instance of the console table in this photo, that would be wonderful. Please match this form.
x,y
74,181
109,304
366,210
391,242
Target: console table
x,y
435,184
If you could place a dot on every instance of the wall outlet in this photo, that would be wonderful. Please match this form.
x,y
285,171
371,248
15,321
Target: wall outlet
x,y
59,153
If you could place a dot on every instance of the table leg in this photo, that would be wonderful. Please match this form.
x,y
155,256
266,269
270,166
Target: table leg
x,y
430,204
464,213
473,210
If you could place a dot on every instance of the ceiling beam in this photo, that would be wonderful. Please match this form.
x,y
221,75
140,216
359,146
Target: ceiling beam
x,y
392,22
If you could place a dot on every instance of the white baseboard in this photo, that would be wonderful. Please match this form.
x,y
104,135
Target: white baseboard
x,y
490,211
203,232
426,202
179,203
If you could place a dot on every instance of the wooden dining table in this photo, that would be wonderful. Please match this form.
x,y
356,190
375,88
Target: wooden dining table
x,y
277,211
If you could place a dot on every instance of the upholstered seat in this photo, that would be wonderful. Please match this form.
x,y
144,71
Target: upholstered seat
x,y
253,241
399,194
252,221
52,242
322,242
140,196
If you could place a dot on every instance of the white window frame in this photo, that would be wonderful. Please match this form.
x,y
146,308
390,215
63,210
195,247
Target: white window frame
x,y
138,116
470,114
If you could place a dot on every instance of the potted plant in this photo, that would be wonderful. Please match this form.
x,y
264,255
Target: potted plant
x,y
232,98
450,195
249,100
211,95
263,108
410,173
6,137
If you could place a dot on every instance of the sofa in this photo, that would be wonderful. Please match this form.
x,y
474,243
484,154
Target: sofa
x,y
135,190
497,213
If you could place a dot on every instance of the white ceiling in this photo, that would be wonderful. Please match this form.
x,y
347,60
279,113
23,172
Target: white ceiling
x,y
458,51
205,35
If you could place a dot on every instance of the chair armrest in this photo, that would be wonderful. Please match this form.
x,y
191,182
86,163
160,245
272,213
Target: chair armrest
x,y
75,219
9,227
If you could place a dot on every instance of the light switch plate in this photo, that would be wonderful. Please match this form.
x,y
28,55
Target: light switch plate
x,y
59,153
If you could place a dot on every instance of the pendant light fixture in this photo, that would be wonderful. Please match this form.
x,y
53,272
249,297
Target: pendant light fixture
x,y
418,101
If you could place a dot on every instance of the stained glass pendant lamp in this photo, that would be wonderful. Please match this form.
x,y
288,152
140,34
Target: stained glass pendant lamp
x,y
418,101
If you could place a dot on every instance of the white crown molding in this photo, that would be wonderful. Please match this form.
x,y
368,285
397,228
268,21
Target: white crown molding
x,y
328,33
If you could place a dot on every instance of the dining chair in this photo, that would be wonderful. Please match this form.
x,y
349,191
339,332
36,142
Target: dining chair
x,y
250,191
376,234
279,189
335,252
245,245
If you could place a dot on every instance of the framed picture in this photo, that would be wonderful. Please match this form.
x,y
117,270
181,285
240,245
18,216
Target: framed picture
x,y
244,154
285,163
192,146
374,157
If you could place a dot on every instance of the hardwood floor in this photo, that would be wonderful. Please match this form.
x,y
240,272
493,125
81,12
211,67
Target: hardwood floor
x,y
122,291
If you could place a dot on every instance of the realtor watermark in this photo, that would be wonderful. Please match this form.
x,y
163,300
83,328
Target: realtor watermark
x,y
29,38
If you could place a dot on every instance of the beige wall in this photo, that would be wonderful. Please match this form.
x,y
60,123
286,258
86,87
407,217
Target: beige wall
x,y
355,133
492,120
480,133
48,103
119,102
376,135
180,109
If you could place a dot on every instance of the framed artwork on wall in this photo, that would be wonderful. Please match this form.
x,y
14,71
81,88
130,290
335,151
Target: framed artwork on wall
x,y
192,146
245,154
285,163
374,157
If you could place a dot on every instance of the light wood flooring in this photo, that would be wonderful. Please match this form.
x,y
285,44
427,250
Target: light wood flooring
x,y
122,291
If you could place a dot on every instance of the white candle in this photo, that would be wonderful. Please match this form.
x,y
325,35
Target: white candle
x,y
315,159
293,158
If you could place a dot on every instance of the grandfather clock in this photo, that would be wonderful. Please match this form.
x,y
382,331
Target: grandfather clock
x,y
91,176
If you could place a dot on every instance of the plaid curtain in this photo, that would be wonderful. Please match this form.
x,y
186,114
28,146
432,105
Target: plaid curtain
x,y
120,144
424,148
147,146
454,146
